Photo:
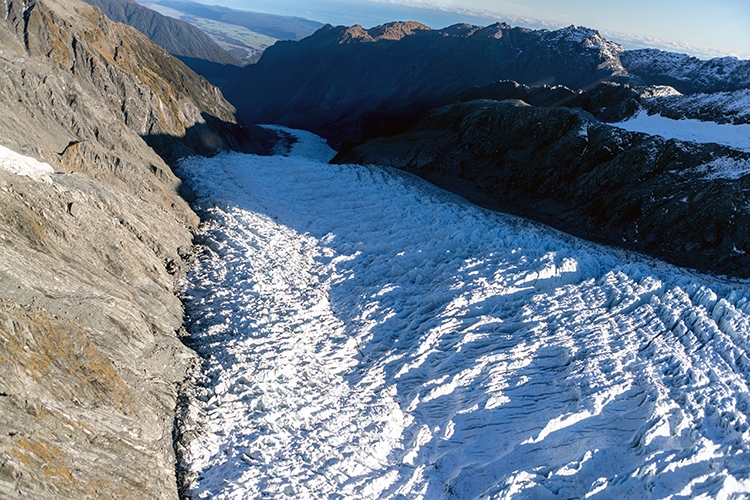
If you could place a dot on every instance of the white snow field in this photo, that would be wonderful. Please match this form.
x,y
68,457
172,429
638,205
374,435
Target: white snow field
x,y
23,165
726,134
367,335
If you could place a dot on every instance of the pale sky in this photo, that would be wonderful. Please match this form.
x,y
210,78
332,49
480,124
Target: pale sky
x,y
721,26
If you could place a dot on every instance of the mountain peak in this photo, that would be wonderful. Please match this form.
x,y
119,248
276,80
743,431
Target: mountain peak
x,y
464,30
390,31
580,33
396,30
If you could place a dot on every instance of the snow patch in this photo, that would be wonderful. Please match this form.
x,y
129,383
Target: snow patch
x,y
584,131
735,136
307,145
658,91
726,168
23,165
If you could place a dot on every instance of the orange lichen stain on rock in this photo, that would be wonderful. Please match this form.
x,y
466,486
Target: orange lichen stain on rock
x,y
60,54
73,160
58,356
55,467
44,38
96,36
46,460
44,457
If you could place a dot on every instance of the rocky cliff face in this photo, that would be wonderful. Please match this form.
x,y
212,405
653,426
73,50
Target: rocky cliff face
x,y
90,246
684,202
720,107
104,76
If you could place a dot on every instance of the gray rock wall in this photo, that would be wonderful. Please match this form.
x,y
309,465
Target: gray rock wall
x,y
90,355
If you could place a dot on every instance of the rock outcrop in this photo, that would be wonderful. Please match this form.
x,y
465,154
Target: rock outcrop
x,y
720,107
90,246
684,202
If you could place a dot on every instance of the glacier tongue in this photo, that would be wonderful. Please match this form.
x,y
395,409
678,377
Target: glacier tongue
x,y
366,335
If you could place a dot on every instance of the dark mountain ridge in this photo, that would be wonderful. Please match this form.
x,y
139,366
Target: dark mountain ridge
x,y
331,81
685,73
719,107
350,83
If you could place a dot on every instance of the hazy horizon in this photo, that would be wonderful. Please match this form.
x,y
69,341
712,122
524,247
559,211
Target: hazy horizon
x,y
668,25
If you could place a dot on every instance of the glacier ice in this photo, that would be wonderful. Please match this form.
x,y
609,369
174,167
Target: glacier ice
x,y
367,335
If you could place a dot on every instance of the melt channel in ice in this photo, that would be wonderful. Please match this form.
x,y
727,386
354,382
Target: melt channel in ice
x,y
367,335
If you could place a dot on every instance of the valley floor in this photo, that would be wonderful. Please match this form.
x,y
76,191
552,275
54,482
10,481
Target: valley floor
x,y
367,335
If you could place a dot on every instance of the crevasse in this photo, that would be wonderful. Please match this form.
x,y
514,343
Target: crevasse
x,y
366,335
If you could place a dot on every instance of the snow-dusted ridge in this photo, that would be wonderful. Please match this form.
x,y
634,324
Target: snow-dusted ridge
x,y
720,107
686,73
591,39
367,335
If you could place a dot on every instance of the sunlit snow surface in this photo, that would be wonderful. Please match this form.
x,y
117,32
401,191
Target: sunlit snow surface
x,y
23,165
367,335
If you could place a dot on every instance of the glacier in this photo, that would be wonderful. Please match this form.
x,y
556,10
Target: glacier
x,y
367,335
